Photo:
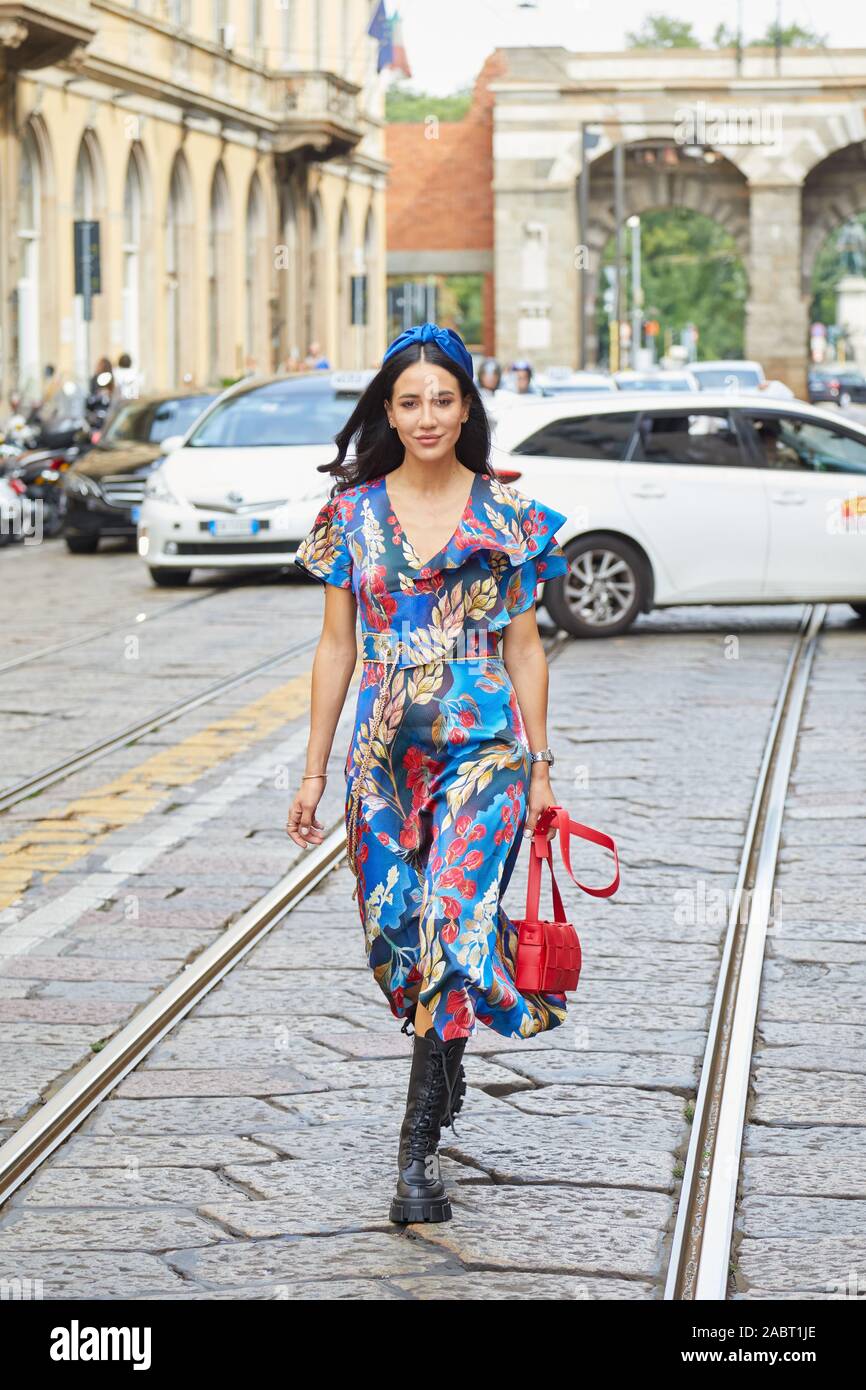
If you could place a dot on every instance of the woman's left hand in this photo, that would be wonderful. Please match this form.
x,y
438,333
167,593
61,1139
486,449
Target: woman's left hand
x,y
540,797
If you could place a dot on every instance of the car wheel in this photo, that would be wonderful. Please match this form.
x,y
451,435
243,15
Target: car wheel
x,y
170,579
859,609
603,591
82,545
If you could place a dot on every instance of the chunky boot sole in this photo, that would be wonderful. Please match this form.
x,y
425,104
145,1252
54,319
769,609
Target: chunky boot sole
x,y
420,1209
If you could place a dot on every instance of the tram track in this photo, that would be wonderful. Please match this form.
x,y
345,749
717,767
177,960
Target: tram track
x,y
699,1263
54,1121
137,620
59,771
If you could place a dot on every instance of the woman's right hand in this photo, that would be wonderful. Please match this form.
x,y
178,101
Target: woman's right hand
x,y
301,823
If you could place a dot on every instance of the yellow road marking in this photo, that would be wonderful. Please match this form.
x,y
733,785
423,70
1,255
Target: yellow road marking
x,y
60,838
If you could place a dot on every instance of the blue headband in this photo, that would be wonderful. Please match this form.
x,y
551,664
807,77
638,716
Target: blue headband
x,y
444,338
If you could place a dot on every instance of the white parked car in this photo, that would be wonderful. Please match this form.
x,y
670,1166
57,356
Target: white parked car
x,y
714,497
728,374
656,380
738,375
558,381
241,489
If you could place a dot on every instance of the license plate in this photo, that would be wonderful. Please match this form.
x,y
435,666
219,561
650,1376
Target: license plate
x,y
233,526
135,512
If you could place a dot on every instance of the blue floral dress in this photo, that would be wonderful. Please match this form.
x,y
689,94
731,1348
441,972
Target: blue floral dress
x,y
443,804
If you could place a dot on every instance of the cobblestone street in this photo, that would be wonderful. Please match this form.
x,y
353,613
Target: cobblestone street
x,y
253,1153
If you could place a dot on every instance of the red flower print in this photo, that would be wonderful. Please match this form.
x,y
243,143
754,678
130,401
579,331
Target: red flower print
x,y
451,1030
382,838
410,834
428,581
478,832
452,907
468,888
414,974
455,849
473,859
459,1005
456,736
436,863
383,609
449,932
467,718
462,824
451,877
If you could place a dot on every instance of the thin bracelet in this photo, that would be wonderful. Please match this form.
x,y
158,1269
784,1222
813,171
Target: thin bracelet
x,y
313,774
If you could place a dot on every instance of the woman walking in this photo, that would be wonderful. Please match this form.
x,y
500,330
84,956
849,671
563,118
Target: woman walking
x,y
448,763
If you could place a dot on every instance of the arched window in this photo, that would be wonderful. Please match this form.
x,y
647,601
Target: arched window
x,y
315,328
29,232
179,271
132,252
343,352
371,270
86,202
256,278
218,281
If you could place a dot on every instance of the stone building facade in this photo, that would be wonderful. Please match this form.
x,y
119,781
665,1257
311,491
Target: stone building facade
x,y
771,151
231,155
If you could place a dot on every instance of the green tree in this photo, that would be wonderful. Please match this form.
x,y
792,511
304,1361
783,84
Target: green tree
x,y
829,269
789,36
403,105
724,36
660,31
691,272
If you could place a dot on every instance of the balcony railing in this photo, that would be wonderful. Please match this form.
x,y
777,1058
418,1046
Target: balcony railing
x,y
318,111
37,33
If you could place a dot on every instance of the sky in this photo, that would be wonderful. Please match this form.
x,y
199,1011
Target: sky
x,y
448,40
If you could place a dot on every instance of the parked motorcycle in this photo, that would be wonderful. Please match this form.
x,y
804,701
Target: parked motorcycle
x,y
67,428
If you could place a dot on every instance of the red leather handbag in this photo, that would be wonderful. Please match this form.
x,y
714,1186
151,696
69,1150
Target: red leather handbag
x,y
548,954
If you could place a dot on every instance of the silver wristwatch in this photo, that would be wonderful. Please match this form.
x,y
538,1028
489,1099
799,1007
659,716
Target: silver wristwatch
x,y
545,756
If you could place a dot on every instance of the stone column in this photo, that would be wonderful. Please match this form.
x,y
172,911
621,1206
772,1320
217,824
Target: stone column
x,y
535,278
777,314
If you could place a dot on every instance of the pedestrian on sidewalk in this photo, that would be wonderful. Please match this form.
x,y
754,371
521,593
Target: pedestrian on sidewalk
x,y
448,761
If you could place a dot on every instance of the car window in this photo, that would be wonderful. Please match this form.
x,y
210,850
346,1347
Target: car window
x,y
796,442
689,437
276,414
149,422
656,383
175,417
604,436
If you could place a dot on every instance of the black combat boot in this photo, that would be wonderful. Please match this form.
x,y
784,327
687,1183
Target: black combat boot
x,y
457,1075
421,1194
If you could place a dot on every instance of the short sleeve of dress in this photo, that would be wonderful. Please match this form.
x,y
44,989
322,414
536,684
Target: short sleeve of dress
x,y
547,561
323,552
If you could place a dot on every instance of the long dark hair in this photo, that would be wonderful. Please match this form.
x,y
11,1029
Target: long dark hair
x,y
378,449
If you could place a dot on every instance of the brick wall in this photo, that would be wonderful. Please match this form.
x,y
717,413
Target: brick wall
x,y
439,195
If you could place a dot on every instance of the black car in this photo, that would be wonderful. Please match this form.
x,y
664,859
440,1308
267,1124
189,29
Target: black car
x,y
104,488
839,385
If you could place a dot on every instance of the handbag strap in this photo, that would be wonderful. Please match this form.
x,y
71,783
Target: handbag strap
x,y
539,852
567,827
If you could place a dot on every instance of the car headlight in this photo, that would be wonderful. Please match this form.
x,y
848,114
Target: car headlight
x,y
157,488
